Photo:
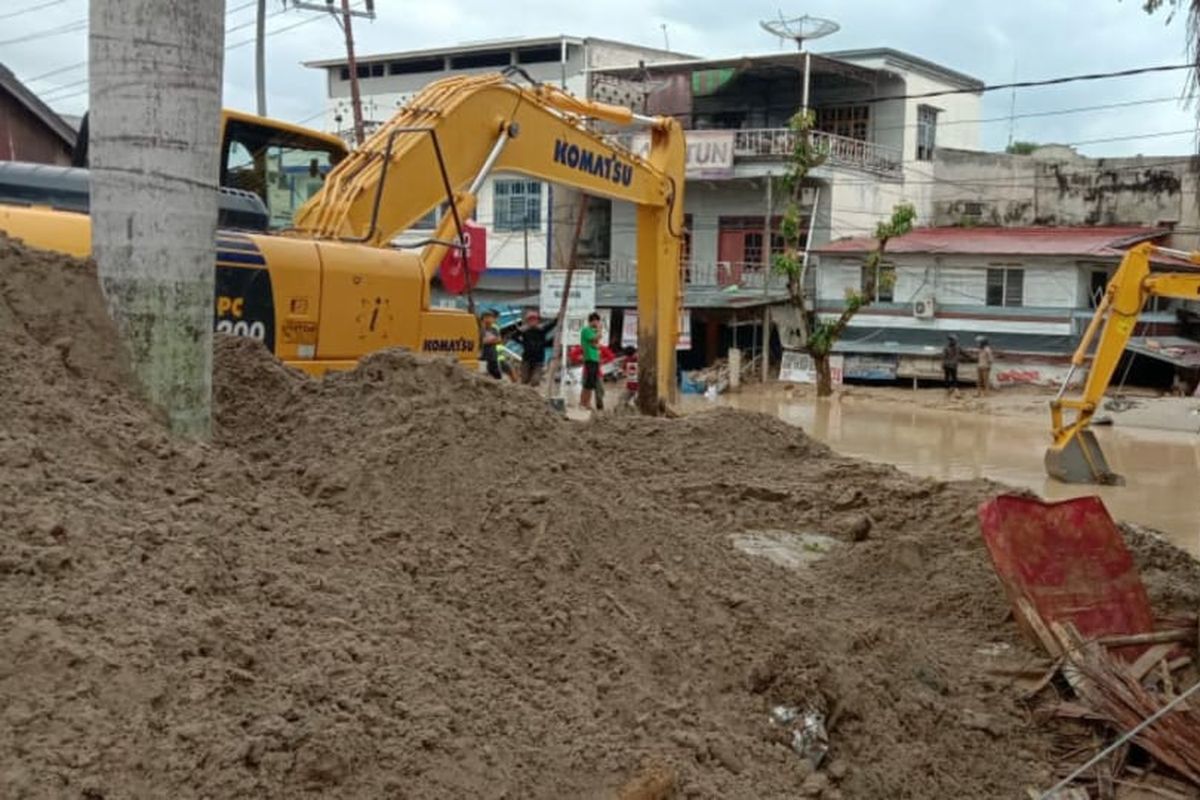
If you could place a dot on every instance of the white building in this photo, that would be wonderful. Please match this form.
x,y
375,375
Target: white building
x,y
1031,291
520,215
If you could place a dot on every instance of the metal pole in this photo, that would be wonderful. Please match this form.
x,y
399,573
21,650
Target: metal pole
x,y
767,237
260,57
355,97
804,99
766,362
525,235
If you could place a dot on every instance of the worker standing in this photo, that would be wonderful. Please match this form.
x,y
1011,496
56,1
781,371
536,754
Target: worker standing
x,y
951,355
489,341
532,338
589,340
984,365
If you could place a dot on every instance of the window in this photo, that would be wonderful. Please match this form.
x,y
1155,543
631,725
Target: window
x,y
427,222
1005,287
852,122
491,58
1098,284
285,174
345,73
377,70
518,205
415,66
878,285
926,132
540,55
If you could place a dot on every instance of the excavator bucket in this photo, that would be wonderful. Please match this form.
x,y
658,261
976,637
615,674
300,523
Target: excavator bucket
x,y
1079,459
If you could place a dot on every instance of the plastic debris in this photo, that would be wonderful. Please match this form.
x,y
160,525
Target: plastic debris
x,y
810,740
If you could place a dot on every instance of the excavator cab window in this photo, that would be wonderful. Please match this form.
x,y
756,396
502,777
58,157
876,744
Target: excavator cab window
x,y
282,168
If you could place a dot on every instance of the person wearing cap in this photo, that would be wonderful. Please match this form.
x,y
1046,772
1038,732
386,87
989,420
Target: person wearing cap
x,y
489,338
532,338
951,354
983,363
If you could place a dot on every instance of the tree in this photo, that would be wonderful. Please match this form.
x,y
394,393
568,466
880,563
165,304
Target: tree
x,y
821,335
155,108
1173,7
1021,148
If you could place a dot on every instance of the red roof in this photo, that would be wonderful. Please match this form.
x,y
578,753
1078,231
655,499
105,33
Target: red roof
x,y
1079,242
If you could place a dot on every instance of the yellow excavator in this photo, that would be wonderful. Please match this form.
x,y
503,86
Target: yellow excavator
x,y
1075,455
330,289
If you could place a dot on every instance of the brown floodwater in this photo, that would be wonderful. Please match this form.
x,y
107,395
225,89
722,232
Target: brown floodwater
x,y
1161,469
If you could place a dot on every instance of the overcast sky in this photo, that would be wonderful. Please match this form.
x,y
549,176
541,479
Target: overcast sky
x,y
1035,38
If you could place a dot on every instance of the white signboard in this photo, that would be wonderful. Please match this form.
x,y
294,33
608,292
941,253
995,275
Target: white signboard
x,y
583,292
798,367
709,153
629,334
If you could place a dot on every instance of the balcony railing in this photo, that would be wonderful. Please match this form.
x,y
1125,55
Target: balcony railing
x,y
842,151
695,273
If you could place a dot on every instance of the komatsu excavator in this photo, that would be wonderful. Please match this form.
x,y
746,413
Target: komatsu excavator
x,y
1075,455
331,289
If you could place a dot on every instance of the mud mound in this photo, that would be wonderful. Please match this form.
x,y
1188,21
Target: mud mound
x,y
406,581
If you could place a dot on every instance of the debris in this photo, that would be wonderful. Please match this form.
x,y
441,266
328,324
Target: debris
x,y
860,529
1065,562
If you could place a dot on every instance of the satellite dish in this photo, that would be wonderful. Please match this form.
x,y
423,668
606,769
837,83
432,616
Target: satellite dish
x,y
799,29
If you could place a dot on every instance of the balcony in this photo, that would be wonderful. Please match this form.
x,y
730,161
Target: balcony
x,y
839,151
720,274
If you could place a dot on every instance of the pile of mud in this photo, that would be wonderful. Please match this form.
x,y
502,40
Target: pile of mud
x,y
407,581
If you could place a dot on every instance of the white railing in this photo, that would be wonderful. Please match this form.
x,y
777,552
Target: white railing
x,y
695,273
839,151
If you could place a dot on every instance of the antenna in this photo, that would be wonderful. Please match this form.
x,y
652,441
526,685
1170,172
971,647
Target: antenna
x,y
799,29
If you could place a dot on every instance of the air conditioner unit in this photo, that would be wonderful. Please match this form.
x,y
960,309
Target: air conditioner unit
x,y
923,308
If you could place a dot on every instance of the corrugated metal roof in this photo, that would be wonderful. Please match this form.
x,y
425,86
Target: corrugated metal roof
x,y
1081,242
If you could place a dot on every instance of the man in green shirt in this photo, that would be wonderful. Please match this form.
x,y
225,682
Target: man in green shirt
x,y
589,340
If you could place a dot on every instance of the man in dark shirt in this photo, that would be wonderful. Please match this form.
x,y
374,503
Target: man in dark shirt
x,y
532,338
951,355
489,338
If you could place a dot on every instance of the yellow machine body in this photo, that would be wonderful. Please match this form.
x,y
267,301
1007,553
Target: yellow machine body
x,y
331,288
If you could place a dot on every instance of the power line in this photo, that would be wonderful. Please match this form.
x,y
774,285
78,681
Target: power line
x,y
1091,76
228,47
33,8
58,30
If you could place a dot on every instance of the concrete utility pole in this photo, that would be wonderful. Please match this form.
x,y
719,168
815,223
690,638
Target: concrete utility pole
x,y
154,119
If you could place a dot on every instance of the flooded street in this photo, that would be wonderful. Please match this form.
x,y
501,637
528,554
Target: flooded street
x,y
1161,469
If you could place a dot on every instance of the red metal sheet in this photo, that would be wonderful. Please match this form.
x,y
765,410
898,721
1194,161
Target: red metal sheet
x,y
1069,560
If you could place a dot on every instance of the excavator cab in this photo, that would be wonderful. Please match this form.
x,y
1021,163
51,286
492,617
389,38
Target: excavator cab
x,y
283,164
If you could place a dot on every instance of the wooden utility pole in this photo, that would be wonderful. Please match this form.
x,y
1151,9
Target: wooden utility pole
x,y
344,15
154,128
355,96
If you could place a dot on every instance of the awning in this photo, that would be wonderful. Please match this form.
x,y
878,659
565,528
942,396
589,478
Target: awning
x,y
909,342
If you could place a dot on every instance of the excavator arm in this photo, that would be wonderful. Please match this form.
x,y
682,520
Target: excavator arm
x,y
1075,455
442,145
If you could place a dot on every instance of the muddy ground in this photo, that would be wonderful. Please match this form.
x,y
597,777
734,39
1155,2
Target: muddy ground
x,y
408,581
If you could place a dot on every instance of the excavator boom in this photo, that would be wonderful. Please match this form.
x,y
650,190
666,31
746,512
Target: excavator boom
x,y
438,149
1075,455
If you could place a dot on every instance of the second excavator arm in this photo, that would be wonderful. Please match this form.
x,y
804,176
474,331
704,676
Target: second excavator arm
x,y
441,146
1075,455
